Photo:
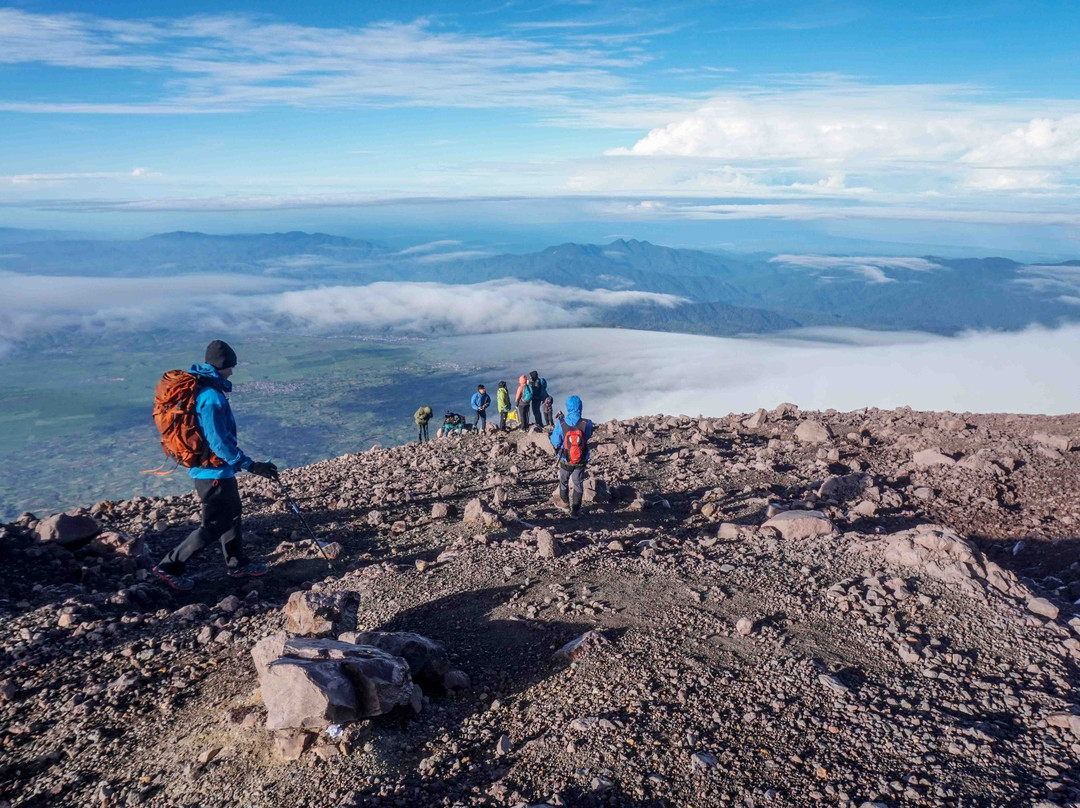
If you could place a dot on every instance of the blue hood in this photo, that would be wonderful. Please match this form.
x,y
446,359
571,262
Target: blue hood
x,y
573,410
211,377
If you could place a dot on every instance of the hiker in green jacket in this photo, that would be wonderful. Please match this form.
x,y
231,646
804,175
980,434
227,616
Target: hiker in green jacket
x,y
502,397
421,417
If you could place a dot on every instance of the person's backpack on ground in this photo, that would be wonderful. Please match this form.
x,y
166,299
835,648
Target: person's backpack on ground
x,y
571,437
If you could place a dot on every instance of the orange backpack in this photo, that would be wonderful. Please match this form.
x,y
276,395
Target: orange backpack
x,y
174,415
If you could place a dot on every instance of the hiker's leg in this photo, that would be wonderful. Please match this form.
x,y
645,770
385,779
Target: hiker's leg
x,y
578,479
502,421
227,519
538,414
173,563
523,414
426,438
419,433
564,483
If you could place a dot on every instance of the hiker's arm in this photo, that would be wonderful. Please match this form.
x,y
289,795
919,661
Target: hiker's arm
x,y
213,420
556,435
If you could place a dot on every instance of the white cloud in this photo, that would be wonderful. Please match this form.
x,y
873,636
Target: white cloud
x,y
431,246
32,179
1036,371
1051,279
901,141
37,305
216,63
872,268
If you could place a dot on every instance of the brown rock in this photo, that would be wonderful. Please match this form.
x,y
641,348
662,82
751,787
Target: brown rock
x,y
67,529
316,614
812,432
800,524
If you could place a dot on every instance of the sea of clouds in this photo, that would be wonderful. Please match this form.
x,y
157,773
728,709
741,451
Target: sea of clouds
x,y
621,373
38,305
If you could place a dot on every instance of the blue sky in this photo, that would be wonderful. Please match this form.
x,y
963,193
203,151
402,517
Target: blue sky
x,y
736,125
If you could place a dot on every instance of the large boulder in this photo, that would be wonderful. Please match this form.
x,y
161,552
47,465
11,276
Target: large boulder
x,y
541,440
476,510
932,457
596,490
310,683
941,553
68,529
801,524
843,487
812,432
111,543
427,658
316,614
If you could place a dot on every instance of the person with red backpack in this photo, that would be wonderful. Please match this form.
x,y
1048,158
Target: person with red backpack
x,y
570,437
198,430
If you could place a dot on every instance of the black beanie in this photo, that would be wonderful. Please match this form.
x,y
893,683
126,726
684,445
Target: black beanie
x,y
220,355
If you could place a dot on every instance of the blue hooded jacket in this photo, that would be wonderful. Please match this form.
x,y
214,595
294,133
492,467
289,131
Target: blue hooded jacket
x,y
217,425
573,415
480,400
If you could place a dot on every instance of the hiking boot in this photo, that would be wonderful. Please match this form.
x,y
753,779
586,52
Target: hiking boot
x,y
181,583
252,569
575,511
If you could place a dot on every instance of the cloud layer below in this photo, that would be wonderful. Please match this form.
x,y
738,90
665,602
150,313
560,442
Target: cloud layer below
x,y
621,374
39,305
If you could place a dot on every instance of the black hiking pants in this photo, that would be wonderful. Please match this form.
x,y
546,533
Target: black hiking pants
x,y
502,419
422,430
572,474
220,522
523,414
538,411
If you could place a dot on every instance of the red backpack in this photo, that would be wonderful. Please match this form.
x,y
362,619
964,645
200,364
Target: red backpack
x,y
174,415
574,444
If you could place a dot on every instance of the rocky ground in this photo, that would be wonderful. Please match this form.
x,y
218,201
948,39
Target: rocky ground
x,y
788,609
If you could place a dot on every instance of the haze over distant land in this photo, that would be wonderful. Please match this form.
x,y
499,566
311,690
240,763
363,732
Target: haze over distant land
x,y
864,128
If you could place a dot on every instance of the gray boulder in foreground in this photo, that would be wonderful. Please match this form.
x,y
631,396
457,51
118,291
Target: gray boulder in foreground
x,y
310,683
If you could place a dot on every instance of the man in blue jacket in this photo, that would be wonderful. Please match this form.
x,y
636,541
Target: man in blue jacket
x,y
570,437
479,403
216,484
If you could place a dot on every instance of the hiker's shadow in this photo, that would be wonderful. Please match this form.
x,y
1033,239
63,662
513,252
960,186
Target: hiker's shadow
x,y
504,658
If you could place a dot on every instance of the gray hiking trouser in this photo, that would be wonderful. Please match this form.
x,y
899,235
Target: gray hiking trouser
x,y
523,414
221,511
575,475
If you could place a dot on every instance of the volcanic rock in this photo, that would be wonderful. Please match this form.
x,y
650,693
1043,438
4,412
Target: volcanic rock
x,y
800,524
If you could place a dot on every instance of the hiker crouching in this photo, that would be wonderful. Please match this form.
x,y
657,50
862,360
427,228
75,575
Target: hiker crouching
x,y
215,477
570,437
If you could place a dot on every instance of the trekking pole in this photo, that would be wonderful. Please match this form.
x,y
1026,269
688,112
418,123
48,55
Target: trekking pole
x,y
296,509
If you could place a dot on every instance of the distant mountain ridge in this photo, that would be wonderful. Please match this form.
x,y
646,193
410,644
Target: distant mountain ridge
x,y
725,293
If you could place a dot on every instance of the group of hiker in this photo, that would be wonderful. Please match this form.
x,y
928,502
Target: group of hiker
x,y
531,400
198,431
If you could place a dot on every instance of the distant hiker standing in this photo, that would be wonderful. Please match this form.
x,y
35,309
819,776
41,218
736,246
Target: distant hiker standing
x,y
198,429
539,393
548,402
421,418
571,441
521,401
480,402
502,400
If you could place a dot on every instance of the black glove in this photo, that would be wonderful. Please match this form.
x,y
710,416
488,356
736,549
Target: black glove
x,y
267,470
